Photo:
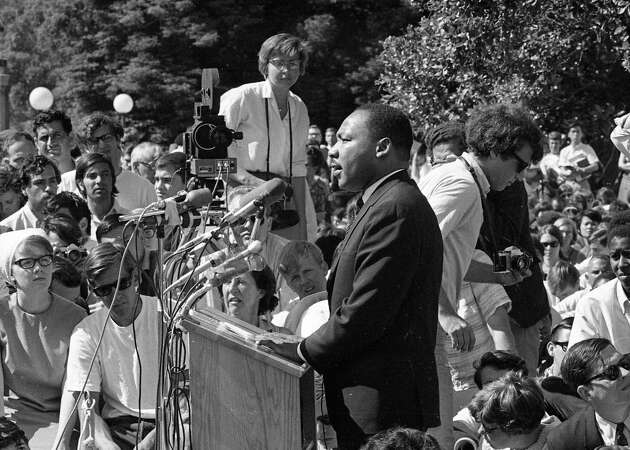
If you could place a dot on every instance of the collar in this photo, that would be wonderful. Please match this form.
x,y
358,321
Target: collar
x,y
367,193
267,92
608,428
29,213
484,184
622,298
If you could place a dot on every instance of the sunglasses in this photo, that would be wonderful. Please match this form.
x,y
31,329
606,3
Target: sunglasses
x,y
550,244
29,263
572,210
562,345
106,289
71,252
617,254
612,372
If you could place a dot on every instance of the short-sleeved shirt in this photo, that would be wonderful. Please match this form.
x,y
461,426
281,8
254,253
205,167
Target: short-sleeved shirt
x,y
116,371
34,352
133,190
571,155
245,110
456,201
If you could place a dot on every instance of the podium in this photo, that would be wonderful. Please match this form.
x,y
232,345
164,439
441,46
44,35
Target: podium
x,y
241,396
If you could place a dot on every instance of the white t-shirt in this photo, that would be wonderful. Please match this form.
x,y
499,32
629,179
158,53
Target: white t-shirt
x,y
133,190
549,161
116,372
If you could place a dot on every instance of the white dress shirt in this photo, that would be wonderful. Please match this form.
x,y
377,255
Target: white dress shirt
x,y
603,313
21,219
608,429
456,202
244,110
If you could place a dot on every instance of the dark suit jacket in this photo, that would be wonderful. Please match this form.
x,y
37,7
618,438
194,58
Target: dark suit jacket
x,y
577,433
377,350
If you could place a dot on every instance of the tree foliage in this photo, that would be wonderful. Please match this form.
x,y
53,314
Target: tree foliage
x,y
87,51
561,58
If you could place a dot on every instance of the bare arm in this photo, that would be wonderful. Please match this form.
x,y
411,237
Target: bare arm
x,y
500,330
67,420
102,436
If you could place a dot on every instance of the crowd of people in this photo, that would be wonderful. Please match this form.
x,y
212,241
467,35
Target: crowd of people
x,y
465,288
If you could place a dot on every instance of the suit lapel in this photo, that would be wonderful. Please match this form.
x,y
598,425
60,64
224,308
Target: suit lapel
x,y
380,191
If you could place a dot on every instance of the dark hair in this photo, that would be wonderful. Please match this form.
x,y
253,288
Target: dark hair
x,y
499,360
315,158
15,136
65,272
605,195
328,241
619,232
385,121
37,241
293,251
176,160
514,403
399,438
109,223
105,256
96,120
592,214
445,132
76,205
564,324
10,179
11,433
83,165
35,167
562,275
552,230
265,280
285,44
554,135
65,227
52,115
502,129
581,360
621,218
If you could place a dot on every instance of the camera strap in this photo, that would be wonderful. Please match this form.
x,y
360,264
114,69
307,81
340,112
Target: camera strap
x,y
290,138
486,215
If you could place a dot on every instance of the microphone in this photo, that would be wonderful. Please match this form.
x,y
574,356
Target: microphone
x,y
180,203
264,195
223,269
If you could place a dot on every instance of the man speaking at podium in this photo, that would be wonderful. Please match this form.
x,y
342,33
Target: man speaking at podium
x,y
375,352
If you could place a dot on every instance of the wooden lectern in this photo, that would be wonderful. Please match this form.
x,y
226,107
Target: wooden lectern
x,y
241,396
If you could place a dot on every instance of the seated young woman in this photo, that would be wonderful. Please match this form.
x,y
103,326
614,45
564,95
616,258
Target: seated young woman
x,y
35,329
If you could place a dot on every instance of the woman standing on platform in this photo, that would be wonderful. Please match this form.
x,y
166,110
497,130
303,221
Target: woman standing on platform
x,y
274,122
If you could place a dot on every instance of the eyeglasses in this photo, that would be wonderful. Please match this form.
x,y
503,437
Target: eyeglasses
x,y
105,139
106,289
612,372
71,252
291,64
147,232
553,244
150,165
522,164
570,210
617,254
29,263
562,345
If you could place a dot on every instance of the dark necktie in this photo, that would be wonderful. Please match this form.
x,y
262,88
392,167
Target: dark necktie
x,y
359,203
620,438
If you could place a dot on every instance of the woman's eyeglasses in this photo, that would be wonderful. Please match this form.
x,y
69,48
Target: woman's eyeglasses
x,y
29,263
550,244
106,289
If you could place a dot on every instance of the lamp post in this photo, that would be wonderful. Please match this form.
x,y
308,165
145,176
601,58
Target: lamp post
x,y
4,95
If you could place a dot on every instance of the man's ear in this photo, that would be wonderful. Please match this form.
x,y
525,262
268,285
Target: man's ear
x,y
584,392
81,187
550,348
383,147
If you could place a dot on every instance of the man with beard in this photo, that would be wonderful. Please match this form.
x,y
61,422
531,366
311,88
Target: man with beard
x,y
604,312
40,179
